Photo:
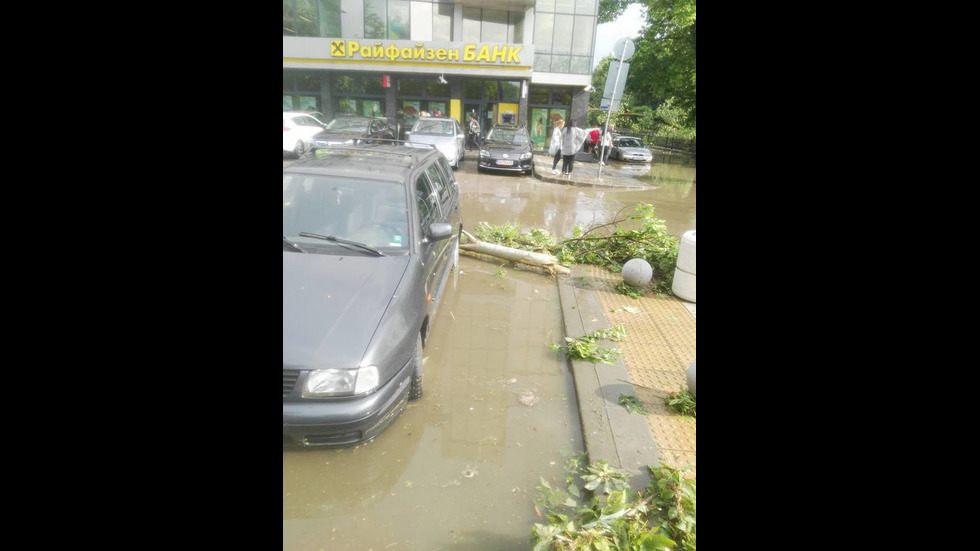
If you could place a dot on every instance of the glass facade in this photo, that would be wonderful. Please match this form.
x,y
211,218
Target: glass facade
x,y
386,19
564,35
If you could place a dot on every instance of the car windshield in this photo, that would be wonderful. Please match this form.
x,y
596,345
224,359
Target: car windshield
x,y
508,135
358,125
364,211
433,128
630,142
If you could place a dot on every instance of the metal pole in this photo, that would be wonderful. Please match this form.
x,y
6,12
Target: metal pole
x,y
612,102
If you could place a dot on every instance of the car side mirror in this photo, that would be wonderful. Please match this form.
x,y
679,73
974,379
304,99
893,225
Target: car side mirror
x,y
408,133
440,231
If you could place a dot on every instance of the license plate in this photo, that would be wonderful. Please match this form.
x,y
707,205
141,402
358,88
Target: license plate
x,y
505,163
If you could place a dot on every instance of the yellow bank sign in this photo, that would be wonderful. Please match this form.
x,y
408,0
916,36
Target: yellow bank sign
x,y
454,52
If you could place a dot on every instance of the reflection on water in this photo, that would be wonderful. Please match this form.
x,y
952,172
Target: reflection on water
x,y
458,469
560,208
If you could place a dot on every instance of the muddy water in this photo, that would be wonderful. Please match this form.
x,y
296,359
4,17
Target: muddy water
x,y
458,469
559,208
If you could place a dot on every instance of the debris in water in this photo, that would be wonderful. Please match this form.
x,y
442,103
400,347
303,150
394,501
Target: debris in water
x,y
529,398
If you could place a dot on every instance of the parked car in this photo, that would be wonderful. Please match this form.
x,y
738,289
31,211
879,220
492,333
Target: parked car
x,y
630,148
298,130
370,238
507,147
348,130
444,133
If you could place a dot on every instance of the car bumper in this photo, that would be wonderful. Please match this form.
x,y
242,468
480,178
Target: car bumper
x,y
517,166
637,158
346,421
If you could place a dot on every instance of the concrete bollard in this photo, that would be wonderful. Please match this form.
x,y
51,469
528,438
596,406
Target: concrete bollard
x,y
686,274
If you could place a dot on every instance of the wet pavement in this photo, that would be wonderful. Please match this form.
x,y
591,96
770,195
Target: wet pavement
x,y
458,469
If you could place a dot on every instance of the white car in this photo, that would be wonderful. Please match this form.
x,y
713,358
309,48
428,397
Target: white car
x,y
630,148
298,130
444,133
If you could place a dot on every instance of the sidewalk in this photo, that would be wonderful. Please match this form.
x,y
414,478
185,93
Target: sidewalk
x,y
614,175
661,344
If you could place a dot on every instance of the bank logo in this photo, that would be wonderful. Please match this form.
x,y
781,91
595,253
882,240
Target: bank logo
x,y
338,48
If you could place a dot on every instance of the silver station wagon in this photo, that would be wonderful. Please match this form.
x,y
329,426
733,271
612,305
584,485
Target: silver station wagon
x,y
370,238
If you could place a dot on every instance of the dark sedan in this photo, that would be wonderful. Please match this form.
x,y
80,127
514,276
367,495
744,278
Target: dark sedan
x,y
507,147
353,130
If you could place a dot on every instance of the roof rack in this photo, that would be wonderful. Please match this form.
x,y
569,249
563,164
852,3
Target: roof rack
x,y
361,147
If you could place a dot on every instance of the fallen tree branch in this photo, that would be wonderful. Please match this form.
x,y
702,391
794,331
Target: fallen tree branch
x,y
538,260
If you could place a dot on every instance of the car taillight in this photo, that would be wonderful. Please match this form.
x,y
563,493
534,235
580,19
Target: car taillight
x,y
285,129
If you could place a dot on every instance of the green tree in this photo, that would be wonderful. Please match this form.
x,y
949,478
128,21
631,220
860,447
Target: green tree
x,y
610,10
665,63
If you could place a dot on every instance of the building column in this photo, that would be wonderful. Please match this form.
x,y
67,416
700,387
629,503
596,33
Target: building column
x,y
580,108
326,97
522,111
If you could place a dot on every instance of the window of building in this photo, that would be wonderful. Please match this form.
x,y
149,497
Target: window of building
x,y
565,6
471,23
510,91
375,18
585,7
442,22
584,25
398,19
422,21
329,15
494,26
562,41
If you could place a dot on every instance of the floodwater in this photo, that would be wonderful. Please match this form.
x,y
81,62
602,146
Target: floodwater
x,y
558,208
459,469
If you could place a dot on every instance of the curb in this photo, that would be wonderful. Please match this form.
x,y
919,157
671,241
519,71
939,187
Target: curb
x,y
611,433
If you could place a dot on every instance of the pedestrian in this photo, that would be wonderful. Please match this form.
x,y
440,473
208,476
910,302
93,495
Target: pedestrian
x,y
555,148
474,133
606,144
572,139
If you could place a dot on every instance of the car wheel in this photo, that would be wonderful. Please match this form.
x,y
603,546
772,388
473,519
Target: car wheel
x,y
415,388
299,149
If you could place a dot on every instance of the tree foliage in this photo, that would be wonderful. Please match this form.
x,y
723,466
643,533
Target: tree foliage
x,y
665,64
663,70
610,10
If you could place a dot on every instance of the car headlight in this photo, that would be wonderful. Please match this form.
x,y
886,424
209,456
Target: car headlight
x,y
484,153
323,383
526,156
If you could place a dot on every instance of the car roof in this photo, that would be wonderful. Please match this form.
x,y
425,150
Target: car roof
x,y
510,126
296,114
378,162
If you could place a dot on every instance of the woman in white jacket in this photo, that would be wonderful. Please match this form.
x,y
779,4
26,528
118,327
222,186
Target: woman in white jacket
x,y
555,148
572,139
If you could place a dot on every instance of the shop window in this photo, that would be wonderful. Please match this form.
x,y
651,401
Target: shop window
x,y
410,86
435,89
490,90
544,5
561,96
538,96
510,91
472,89
308,82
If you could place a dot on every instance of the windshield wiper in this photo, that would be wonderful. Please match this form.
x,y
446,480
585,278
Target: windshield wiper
x,y
291,245
342,242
